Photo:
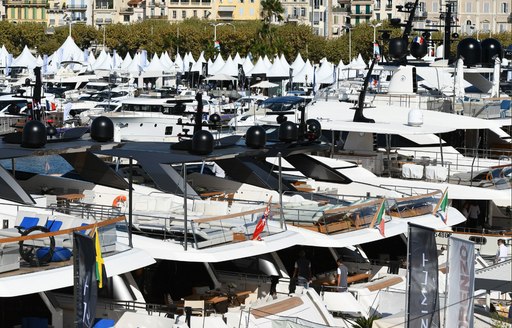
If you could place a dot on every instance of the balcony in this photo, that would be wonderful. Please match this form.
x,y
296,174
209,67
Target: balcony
x,y
55,10
389,6
359,14
340,10
76,7
126,11
157,17
21,3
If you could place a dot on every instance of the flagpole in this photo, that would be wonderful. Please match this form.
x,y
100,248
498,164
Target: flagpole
x,y
440,201
281,214
185,203
408,286
446,283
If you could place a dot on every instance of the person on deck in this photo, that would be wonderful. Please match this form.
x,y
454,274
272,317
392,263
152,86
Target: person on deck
x,y
302,270
342,276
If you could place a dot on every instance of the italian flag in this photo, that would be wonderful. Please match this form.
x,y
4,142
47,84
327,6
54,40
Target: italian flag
x,y
380,222
442,206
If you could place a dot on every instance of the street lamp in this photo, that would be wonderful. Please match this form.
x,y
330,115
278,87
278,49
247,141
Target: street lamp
x,y
349,28
375,31
215,29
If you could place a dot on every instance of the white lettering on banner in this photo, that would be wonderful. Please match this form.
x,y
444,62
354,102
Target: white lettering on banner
x,y
86,315
424,301
464,286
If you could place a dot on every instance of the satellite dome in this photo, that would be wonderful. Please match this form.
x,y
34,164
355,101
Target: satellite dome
x,y
419,47
102,129
288,131
397,47
471,50
256,137
314,129
34,135
202,142
415,118
490,48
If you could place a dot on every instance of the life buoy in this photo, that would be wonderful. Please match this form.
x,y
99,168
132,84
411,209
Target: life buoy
x,y
118,199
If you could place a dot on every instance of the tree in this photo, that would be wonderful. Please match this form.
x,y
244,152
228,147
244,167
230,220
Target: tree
x,y
271,9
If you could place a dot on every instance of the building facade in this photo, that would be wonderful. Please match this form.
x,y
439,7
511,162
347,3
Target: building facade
x,y
328,18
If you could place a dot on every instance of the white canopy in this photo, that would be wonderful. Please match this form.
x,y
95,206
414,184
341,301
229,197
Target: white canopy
x,y
259,68
221,77
298,63
70,51
325,74
229,68
217,65
25,59
247,65
278,69
126,62
305,75
264,85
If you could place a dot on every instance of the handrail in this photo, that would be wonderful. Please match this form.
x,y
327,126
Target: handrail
x,y
63,232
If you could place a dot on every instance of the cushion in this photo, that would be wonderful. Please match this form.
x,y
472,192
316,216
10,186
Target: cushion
x,y
28,222
59,254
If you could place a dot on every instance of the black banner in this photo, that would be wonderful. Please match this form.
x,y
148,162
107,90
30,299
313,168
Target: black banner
x,y
86,287
241,77
423,296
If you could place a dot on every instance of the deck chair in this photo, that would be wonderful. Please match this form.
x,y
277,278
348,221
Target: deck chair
x,y
196,306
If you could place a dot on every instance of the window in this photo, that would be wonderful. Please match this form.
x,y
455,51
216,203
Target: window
x,y
251,11
487,7
389,16
504,8
194,13
435,7
174,15
377,4
241,11
503,28
469,7
303,12
485,27
126,18
295,12
377,16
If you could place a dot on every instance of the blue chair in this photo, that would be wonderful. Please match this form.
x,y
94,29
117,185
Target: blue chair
x,y
28,222
103,323
53,225
504,107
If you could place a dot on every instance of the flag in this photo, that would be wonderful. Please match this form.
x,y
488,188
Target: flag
x,y
86,291
376,51
423,293
380,219
442,206
262,222
461,280
100,263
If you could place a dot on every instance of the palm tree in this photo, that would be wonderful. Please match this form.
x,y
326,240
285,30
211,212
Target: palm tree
x,y
271,9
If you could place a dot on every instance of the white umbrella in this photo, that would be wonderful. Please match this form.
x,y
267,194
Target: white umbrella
x,y
221,77
264,85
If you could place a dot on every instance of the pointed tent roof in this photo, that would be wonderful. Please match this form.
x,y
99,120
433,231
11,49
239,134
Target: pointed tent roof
x,y
39,61
167,61
91,58
325,74
259,68
134,68
198,65
155,65
126,61
284,61
217,65
278,69
238,59
116,60
179,63
267,62
229,68
247,65
298,63
100,59
305,75
70,51
103,65
25,59
3,56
